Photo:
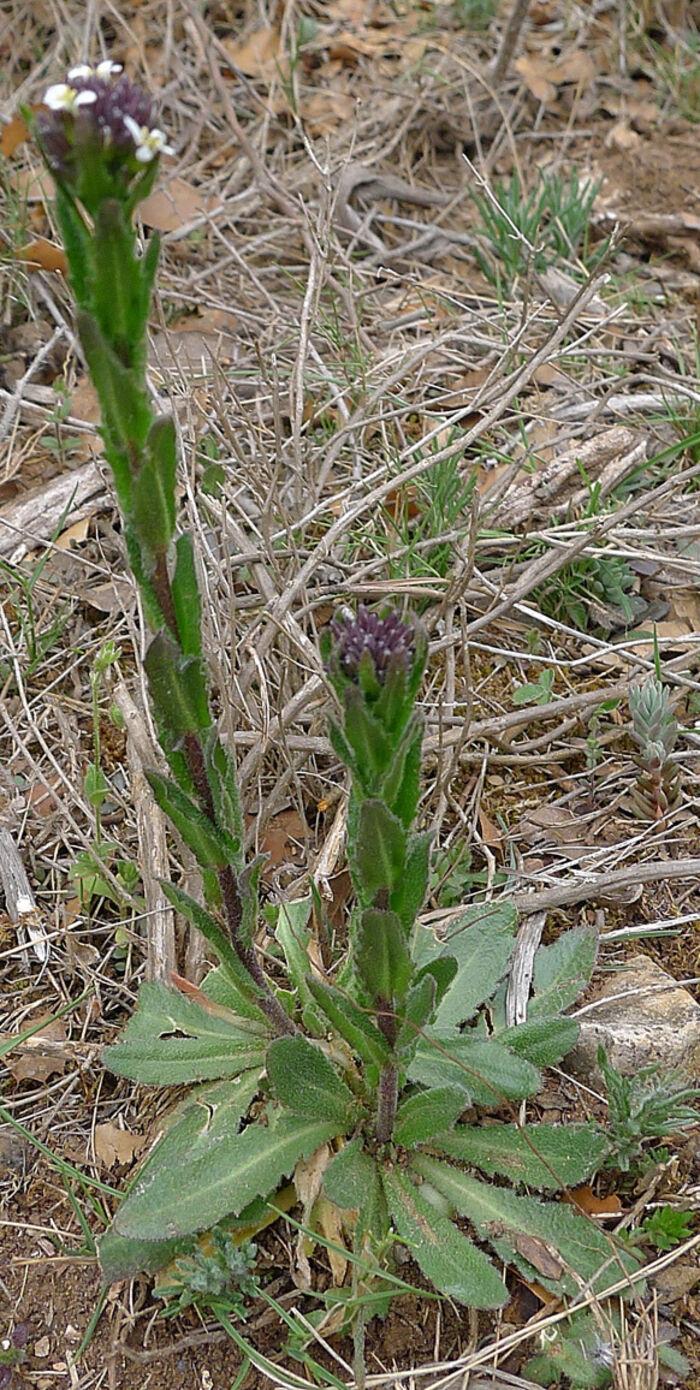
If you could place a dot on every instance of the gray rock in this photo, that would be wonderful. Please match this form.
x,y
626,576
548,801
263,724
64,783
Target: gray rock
x,y
642,1016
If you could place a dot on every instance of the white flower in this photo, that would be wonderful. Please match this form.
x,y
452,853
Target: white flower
x,y
149,143
61,97
105,69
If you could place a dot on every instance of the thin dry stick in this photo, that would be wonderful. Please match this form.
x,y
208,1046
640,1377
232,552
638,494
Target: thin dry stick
x,y
510,38
652,872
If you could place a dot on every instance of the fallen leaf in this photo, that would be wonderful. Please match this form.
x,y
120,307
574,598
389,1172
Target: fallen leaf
x,y
676,1281
15,133
280,837
622,136
491,834
73,535
43,255
537,1254
36,1062
329,1223
586,1200
175,205
114,1145
536,76
326,110
255,55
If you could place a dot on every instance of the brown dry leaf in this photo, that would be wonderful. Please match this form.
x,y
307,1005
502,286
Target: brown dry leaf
x,y
35,1064
578,68
537,1254
622,136
491,834
114,596
73,535
280,836
257,54
328,1223
676,1281
586,1200
308,1181
13,134
191,991
43,255
175,205
114,1145
324,111
536,74
557,823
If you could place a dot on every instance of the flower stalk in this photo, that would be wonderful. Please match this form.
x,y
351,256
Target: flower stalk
x,y
99,137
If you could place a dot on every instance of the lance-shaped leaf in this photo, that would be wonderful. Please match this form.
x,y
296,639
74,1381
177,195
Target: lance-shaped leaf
x,y
419,1118
489,1072
447,1258
544,1041
242,990
401,781
353,1023
171,1039
416,1012
227,1171
148,266
221,776
177,687
186,598
545,1156
290,923
76,242
153,489
210,844
125,409
306,1082
117,295
350,1175
482,954
122,1259
379,850
508,1221
407,899
365,735
381,956
562,971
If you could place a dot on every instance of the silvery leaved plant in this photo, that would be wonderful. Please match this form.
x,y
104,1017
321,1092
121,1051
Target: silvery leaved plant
x,y
385,1060
655,732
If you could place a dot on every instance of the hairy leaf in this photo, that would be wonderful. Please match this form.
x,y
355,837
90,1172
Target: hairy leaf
x,y
225,1172
543,1041
446,1257
211,845
379,850
489,1072
507,1220
307,1083
381,954
242,990
562,971
545,1156
349,1176
171,1039
353,1023
421,1117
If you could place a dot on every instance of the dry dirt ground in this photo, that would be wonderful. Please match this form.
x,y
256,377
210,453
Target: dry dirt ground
x,y
366,409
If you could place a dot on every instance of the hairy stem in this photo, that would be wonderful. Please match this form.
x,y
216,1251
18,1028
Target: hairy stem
x,y
386,1107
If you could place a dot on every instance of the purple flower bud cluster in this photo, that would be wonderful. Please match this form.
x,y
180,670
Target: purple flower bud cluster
x,y
384,638
90,115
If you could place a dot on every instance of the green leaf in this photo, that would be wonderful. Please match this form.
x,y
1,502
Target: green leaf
x,y
153,489
543,1042
562,971
503,1218
123,401
407,899
381,955
291,928
122,1259
400,784
544,1156
241,992
415,1013
379,850
421,1117
177,687
222,779
171,1039
353,1024
186,599
306,1082
445,1256
350,1175
489,1072
76,243
365,735
482,953
116,283
222,1174
212,847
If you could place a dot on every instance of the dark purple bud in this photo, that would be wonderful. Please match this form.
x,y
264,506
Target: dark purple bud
x,y
97,118
384,638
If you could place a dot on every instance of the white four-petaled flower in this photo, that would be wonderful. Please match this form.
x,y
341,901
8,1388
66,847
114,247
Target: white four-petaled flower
x,y
61,97
149,143
104,70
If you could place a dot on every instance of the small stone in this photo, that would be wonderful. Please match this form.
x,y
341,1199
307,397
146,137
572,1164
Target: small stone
x,y
643,1018
42,1347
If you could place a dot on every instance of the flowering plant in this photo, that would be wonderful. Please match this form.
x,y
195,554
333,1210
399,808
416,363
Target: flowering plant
x,y
372,1059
